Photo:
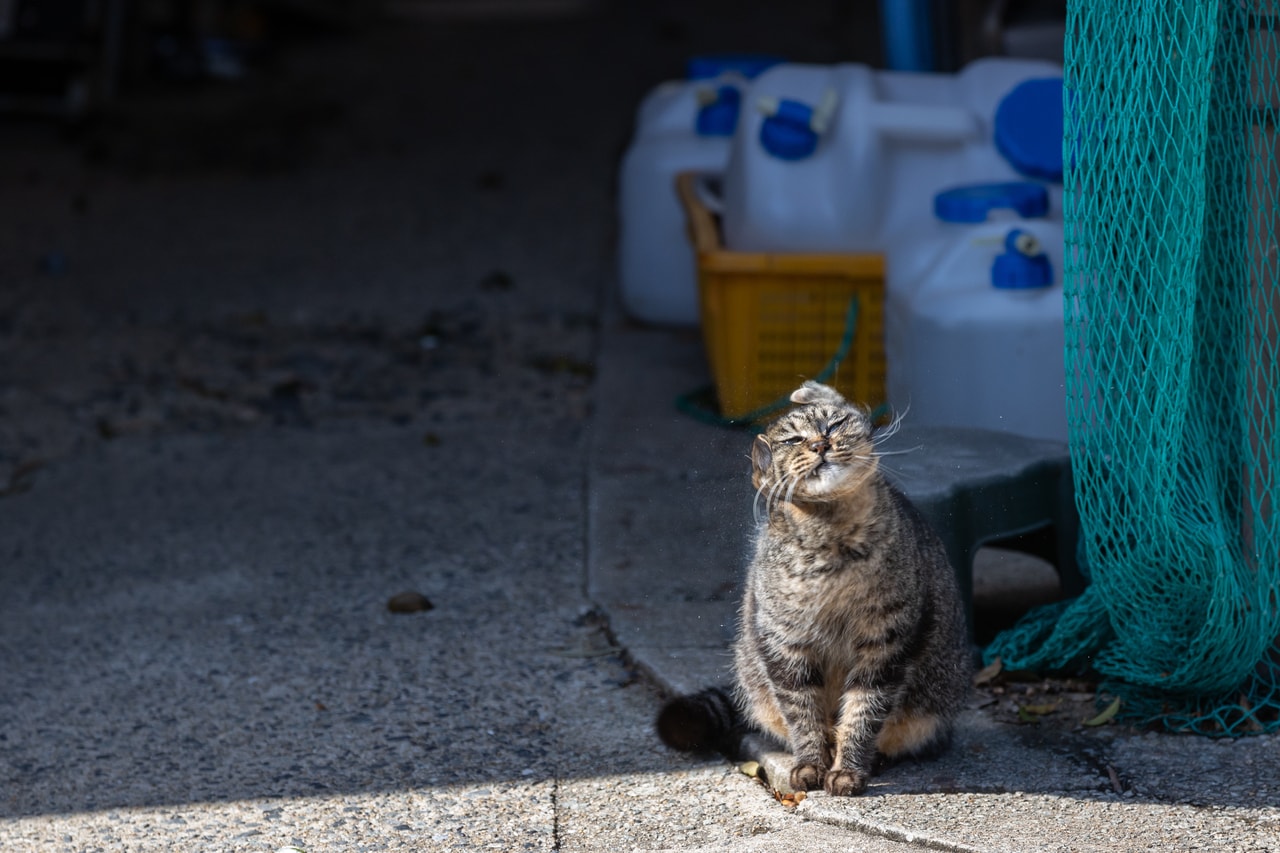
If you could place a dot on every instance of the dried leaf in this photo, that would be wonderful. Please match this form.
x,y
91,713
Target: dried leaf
x,y
1106,716
988,672
1251,723
791,800
1041,710
750,768
1115,779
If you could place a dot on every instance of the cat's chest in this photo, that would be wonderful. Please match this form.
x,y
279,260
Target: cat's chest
x,y
843,558
827,609
811,577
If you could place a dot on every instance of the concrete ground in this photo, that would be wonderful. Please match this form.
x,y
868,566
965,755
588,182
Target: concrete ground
x,y
271,355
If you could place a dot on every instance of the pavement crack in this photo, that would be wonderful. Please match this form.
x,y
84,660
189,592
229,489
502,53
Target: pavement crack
x,y
555,814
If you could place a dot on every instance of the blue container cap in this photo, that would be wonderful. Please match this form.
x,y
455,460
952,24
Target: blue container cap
x,y
972,202
720,117
749,65
787,133
1023,265
1028,128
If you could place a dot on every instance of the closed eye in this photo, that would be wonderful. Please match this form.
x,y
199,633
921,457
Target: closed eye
x,y
792,439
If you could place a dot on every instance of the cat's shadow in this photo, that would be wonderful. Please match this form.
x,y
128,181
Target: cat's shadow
x,y
989,756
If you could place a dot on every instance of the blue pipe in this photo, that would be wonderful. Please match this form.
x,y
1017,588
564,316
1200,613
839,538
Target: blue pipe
x,y
907,33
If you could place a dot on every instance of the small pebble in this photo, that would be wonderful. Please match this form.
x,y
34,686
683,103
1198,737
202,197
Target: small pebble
x,y
497,280
409,601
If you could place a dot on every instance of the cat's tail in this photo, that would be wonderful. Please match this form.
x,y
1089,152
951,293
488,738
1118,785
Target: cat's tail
x,y
706,721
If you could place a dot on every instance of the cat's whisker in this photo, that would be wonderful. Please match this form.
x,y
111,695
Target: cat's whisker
x,y
772,501
755,501
880,436
870,460
890,429
770,495
897,475
906,450
791,490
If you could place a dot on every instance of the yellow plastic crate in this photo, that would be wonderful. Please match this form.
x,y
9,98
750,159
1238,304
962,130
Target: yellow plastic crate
x,y
770,321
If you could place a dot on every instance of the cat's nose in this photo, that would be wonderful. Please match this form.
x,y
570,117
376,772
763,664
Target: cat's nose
x,y
819,446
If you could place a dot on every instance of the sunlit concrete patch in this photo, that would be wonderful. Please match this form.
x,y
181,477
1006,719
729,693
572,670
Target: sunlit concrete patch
x,y
710,803
1019,822
515,816
804,838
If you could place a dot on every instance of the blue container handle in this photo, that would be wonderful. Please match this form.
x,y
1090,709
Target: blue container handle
x,y
718,110
791,128
973,202
1024,265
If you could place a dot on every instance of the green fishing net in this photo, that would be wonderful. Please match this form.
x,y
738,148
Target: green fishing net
x,y
1172,280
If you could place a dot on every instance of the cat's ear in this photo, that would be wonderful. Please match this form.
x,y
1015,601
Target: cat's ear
x,y
816,392
761,454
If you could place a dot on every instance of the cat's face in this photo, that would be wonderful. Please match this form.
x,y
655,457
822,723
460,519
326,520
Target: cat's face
x,y
819,451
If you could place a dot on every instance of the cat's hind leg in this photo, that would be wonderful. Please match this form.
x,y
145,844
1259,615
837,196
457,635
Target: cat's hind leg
x,y
912,734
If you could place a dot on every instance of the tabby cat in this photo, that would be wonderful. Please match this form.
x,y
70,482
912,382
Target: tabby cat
x,y
852,646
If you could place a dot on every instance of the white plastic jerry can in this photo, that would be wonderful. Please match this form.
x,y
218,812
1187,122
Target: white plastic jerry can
x,y
840,158
974,314
682,125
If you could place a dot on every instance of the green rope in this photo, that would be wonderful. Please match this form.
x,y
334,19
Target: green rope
x,y
700,403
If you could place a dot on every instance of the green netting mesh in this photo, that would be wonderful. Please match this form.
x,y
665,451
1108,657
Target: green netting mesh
x,y
1172,204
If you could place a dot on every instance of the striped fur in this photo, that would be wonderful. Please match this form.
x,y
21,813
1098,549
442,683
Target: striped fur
x,y
852,646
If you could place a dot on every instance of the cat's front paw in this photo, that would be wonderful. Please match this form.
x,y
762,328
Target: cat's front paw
x,y
844,783
806,777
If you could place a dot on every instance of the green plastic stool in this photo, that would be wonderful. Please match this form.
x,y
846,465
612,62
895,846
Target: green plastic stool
x,y
979,486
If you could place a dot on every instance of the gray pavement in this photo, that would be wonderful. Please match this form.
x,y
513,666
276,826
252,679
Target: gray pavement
x,y
251,404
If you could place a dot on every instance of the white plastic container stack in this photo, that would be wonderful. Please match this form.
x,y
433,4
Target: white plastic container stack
x,y
841,158
974,314
682,125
